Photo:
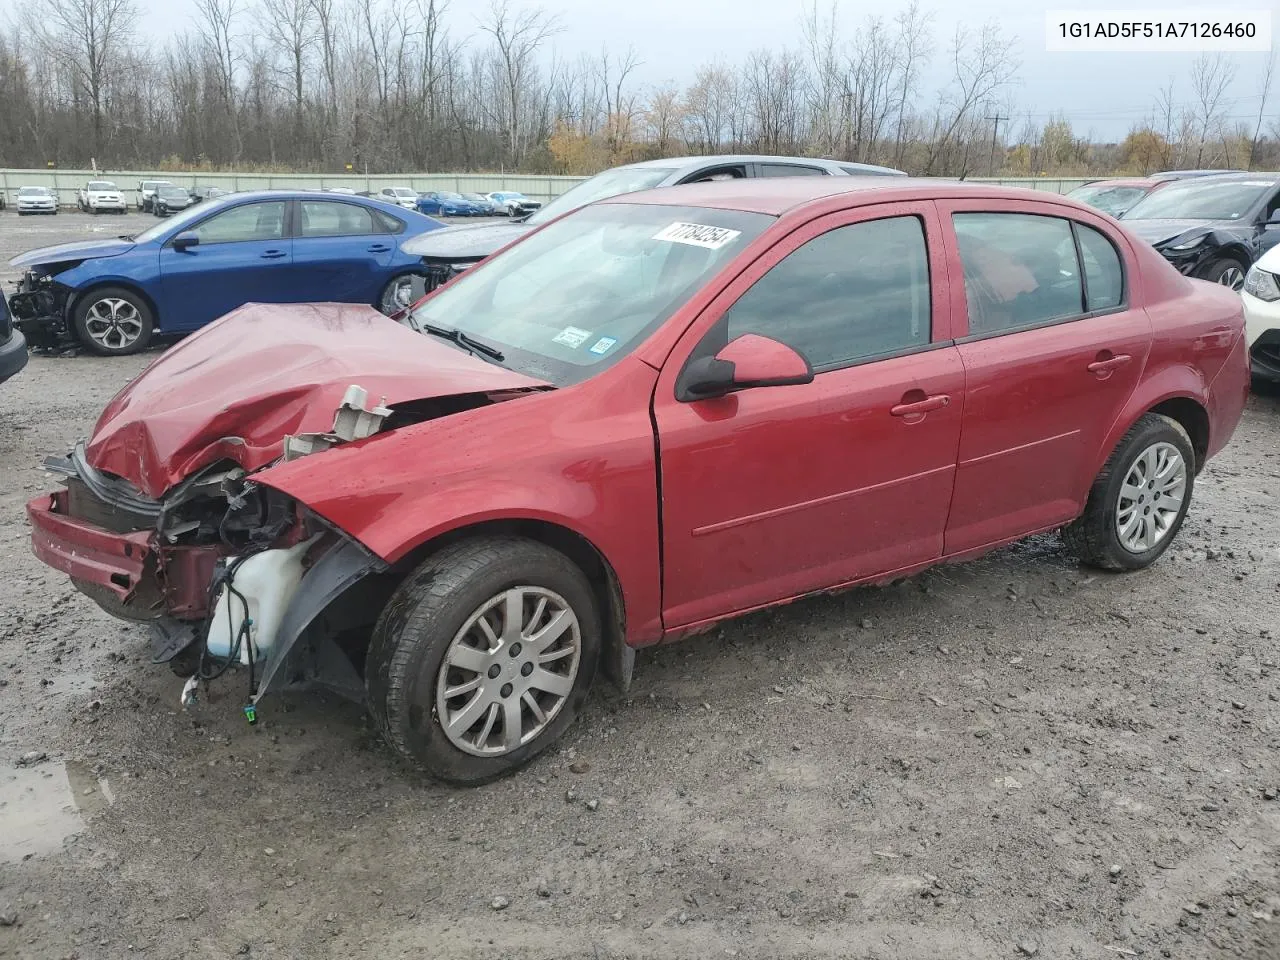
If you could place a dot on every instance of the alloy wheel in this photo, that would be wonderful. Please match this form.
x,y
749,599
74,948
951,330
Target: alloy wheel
x,y
1151,497
113,323
1232,277
508,671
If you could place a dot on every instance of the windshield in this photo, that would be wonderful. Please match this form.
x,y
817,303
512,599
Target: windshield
x,y
576,297
1201,200
33,192
611,183
473,196
171,192
1112,200
450,196
152,184
404,192
101,185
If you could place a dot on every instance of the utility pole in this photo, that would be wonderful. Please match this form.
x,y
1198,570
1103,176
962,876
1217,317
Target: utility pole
x,y
997,119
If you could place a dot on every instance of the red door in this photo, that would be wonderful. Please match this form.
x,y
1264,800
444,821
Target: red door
x,y
773,492
1046,376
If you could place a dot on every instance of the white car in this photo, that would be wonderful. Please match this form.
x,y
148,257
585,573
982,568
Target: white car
x,y
36,200
147,192
401,196
97,196
1261,295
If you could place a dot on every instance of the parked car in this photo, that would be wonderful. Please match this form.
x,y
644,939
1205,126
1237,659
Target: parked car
x,y
98,196
113,296
573,437
1212,228
1169,175
13,346
147,192
483,206
400,196
201,194
514,204
36,200
444,204
1261,296
458,247
1115,196
343,190
169,200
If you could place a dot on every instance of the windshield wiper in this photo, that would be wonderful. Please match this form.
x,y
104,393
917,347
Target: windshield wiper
x,y
126,236
466,341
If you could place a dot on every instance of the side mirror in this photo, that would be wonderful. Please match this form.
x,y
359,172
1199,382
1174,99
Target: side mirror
x,y
748,361
188,238
1274,219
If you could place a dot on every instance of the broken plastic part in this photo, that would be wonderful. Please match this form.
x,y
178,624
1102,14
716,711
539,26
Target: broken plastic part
x,y
354,419
189,691
305,444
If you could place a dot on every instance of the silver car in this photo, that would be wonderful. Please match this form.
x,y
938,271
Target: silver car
x,y
36,200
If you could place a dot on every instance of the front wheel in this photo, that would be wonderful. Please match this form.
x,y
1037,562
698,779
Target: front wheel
x,y
113,321
1227,271
1139,499
483,657
401,292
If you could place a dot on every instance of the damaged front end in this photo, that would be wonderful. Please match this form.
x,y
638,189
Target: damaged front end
x,y
224,570
40,310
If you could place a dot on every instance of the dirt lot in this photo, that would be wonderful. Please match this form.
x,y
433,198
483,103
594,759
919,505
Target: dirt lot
x,y
1012,757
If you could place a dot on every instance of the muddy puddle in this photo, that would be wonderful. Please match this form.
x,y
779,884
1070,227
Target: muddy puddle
x,y
44,804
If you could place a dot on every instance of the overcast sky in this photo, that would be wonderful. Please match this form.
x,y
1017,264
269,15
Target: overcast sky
x,y
1102,93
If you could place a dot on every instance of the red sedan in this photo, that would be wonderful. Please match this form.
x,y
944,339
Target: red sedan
x,y
650,415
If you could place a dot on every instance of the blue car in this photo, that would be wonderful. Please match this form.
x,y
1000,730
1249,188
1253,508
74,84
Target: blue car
x,y
114,296
441,204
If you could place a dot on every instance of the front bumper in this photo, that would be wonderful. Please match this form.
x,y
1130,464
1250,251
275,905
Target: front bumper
x,y
37,207
13,355
39,311
124,572
1262,331
106,205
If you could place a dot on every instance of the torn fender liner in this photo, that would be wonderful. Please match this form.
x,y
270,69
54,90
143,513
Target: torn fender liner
x,y
343,565
236,388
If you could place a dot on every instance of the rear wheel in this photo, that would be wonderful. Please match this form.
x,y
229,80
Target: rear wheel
x,y
483,657
1227,271
1139,499
113,321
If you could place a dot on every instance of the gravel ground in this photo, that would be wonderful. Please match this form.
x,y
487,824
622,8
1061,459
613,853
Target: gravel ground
x,y
1006,758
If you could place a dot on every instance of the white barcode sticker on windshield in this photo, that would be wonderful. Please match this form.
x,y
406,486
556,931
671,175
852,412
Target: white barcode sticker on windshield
x,y
697,235
572,337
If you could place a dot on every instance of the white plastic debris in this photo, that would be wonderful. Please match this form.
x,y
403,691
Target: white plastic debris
x,y
355,419
189,690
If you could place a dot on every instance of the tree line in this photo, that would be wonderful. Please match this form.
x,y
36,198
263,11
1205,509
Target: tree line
x,y
404,85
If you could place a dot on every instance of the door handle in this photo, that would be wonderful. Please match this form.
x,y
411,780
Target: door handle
x,y
272,254
1107,363
916,409
379,248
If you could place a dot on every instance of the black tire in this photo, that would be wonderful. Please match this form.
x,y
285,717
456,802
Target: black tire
x,y
1222,268
1093,536
420,622
418,283
80,319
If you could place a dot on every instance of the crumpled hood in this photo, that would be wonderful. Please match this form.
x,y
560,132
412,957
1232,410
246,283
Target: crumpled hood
x,y
79,250
1156,232
237,387
467,241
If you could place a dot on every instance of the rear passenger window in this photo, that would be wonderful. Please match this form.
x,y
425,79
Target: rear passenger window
x,y
1020,270
1103,278
329,218
853,293
790,170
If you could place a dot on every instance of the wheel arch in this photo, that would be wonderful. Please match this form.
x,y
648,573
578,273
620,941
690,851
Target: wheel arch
x,y
616,656
125,284
1192,416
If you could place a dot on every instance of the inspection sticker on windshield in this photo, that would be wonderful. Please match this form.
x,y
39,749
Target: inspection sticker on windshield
x,y
603,345
697,235
571,337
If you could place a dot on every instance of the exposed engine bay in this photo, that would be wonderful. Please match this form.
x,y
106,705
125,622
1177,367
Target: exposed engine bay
x,y
39,308
227,571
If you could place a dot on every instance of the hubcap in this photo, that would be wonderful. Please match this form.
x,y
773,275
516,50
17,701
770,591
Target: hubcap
x,y
400,294
1232,277
1151,497
508,671
114,323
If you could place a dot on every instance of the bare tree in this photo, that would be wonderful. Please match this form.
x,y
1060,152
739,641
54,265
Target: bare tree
x,y
83,36
1210,78
216,26
1263,93
913,46
517,38
979,70
289,26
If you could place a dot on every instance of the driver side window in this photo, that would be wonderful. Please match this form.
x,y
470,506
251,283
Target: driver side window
x,y
252,221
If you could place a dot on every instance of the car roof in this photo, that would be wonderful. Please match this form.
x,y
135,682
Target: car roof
x,y
839,167
1268,175
1120,182
775,196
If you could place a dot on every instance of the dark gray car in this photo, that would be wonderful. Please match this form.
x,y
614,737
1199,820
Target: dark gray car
x,y
453,249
